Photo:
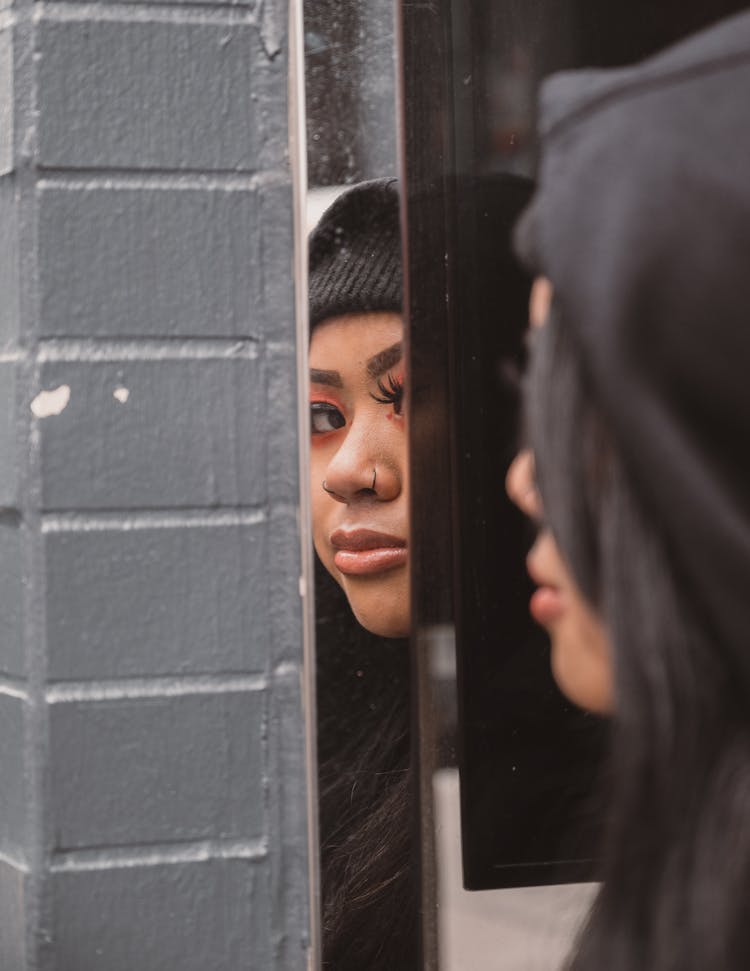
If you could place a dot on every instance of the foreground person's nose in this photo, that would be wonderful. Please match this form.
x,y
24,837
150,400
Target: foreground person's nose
x,y
521,486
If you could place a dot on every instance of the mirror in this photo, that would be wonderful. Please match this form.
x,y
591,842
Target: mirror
x,y
359,490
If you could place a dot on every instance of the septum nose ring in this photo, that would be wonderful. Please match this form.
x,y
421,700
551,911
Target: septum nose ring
x,y
335,495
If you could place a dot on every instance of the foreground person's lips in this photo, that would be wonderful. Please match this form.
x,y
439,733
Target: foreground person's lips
x,y
365,551
547,603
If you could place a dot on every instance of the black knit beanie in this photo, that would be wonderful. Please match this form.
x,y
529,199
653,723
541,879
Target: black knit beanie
x,y
642,223
355,253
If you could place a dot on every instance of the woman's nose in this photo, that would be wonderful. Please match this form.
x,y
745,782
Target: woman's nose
x,y
360,471
520,484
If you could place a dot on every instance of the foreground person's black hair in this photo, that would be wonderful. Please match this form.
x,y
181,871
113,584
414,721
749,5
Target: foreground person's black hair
x,y
639,418
677,855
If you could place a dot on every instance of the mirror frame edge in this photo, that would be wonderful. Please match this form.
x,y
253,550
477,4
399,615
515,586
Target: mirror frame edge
x,y
298,170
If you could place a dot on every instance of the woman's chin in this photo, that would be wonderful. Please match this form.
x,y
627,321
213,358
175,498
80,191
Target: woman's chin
x,y
371,612
380,602
383,626
583,675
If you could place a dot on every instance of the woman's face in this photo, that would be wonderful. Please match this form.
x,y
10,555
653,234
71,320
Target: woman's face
x,y
359,465
581,655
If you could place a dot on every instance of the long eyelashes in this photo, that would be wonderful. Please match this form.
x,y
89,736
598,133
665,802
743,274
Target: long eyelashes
x,y
391,394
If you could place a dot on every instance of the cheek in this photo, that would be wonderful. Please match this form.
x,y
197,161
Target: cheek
x,y
323,509
320,512
382,607
318,499
399,445
322,450
581,661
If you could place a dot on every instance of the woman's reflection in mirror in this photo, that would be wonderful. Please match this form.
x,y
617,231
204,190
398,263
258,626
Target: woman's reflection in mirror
x,y
638,416
359,488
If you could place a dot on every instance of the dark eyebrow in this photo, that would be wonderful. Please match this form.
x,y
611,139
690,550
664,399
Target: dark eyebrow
x,y
331,378
384,360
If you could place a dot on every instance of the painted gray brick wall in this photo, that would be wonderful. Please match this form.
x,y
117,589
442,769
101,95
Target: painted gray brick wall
x,y
152,777
97,244
186,436
173,601
214,96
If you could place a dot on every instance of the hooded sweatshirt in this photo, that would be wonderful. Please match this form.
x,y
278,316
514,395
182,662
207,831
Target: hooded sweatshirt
x,y
642,223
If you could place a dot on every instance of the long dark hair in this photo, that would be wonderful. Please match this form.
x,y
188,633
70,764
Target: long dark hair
x,y
368,889
676,871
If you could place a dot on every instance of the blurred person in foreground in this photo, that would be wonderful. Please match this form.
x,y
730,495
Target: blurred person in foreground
x,y
638,423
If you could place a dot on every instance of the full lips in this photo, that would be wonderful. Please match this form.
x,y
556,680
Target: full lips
x,y
546,605
363,552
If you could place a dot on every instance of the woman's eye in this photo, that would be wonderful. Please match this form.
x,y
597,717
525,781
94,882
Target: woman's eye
x,y
391,393
325,418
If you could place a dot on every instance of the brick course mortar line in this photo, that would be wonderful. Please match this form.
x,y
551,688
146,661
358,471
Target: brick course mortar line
x,y
174,349
83,522
122,857
227,15
286,671
246,5
14,688
210,180
173,686
52,349
14,862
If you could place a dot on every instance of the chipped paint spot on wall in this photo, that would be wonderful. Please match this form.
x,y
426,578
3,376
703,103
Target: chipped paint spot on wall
x,y
48,403
121,395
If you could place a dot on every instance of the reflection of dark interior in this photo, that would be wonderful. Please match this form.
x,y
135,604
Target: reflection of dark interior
x,y
512,45
368,881
350,90
528,760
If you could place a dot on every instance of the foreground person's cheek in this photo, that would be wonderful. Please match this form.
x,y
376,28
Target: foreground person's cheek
x,y
582,665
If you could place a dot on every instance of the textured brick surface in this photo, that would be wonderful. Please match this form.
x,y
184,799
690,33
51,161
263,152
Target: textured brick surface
x,y
157,770
13,795
170,600
191,433
283,562
246,5
210,916
283,477
9,278
139,262
8,456
149,543
287,816
277,241
215,101
12,917
11,577
6,101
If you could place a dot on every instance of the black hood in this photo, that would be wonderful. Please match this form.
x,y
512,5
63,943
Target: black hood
x,y
642,223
